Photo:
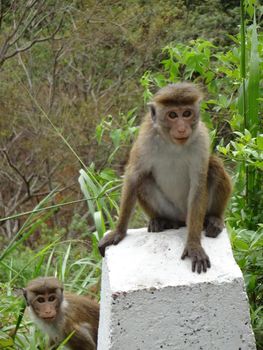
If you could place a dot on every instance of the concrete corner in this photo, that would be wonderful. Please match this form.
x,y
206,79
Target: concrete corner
x,y
151,300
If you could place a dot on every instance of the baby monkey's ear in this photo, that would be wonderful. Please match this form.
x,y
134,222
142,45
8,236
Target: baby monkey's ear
x,y
24,291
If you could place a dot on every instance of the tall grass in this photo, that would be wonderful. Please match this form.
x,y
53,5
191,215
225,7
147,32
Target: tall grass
x,y
249,96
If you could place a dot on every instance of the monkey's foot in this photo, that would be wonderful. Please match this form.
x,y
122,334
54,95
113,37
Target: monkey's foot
x,y
159,224
200,260
213,226
113,237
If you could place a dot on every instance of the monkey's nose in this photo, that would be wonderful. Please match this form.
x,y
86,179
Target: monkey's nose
x,y
182,131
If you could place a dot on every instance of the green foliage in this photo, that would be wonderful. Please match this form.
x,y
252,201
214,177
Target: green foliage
x,y
188,61
102,189
245,149
115,134
247,246
99,190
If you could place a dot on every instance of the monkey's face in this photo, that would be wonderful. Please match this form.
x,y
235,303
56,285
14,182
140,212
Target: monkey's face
x,y
46,305
175,123
180,122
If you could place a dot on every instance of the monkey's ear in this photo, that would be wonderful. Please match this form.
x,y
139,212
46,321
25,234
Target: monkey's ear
x,y
152,108
25,295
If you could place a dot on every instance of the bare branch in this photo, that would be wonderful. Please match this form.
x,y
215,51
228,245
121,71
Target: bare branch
x,y
35,191
27,47
15,168
13,33
32,11
26,25
53,79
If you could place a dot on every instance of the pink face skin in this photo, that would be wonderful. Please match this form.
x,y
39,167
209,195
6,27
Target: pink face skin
x,y
179,121
46,306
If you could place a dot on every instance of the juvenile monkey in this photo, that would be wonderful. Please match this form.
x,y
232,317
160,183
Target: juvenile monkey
x,y
59,314
172,174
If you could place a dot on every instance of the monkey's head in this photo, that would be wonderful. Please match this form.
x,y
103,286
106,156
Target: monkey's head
x,y
175,111
44,296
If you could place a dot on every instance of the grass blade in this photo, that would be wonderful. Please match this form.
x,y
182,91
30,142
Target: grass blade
x,y
253,83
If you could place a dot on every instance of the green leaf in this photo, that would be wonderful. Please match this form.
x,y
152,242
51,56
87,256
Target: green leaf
x,y
238,243
260,142
252,282
64,264
6,343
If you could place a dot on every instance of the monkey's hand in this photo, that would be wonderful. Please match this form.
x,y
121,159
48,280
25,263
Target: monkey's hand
x,y
200,261
113,237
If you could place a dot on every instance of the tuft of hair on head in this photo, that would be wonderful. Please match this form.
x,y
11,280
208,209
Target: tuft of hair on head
x,y
44,283
184,93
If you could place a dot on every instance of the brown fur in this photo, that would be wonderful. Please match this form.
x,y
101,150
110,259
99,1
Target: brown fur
x,y
178,94
218,177
172,174
73,313
82,310
43,284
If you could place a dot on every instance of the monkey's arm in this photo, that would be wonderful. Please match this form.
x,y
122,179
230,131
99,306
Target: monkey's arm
x,y
128,200
196,212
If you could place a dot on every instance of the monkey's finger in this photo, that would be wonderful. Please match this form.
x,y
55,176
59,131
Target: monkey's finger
x,y
103,243
204,262
102,250
208,262
185,253
199,265
194,263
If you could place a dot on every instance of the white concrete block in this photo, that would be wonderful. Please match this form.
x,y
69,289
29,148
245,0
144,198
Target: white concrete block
x,y
151,300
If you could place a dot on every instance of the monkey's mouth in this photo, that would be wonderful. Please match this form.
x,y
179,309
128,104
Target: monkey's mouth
x,y
180,140
49,319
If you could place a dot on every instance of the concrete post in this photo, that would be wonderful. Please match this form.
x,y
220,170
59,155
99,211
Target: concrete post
x,y
151,300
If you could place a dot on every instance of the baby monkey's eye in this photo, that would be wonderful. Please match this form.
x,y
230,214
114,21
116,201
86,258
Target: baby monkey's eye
x,y
172,115
52,298
41,300
187,113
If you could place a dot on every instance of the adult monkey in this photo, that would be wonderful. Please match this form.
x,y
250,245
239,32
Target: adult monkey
x,y
172,174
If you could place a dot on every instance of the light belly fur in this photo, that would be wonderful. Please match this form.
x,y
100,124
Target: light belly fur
x,y
172,177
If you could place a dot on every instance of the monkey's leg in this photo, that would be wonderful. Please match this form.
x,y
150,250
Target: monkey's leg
x,y
219,189
157,207
198,199
82,338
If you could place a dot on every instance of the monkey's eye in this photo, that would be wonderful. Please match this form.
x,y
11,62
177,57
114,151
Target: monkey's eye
x,y
172,115
52,298
187,113
41,300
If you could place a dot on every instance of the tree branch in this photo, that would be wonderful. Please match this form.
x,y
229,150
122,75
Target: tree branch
x,y
27,47
33,11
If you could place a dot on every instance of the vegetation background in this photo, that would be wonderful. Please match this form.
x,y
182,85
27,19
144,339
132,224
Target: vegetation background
x,y
75,76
